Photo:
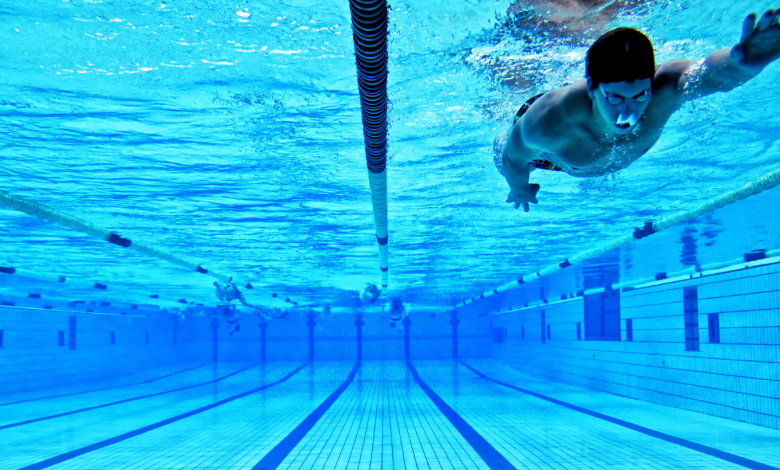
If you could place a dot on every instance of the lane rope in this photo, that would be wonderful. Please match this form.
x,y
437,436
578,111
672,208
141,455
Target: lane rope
x,y
56,216
766,182
369,28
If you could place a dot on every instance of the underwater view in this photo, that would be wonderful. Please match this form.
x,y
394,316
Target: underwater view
x,y
477,234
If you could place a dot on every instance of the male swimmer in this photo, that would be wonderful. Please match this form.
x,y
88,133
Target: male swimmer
x,y
604,123
370,294
397,313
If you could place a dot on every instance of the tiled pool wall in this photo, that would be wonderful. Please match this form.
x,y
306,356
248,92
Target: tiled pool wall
x,y
733,371
335,338
733,374
43,347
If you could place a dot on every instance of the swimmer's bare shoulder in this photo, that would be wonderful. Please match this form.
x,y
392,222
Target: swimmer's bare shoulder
x,y
554,122
668,82
548,125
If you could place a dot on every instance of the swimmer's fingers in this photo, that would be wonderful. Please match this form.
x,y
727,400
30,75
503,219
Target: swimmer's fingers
x,y
748,26
524,199
533,200
766,20
760,41
512,199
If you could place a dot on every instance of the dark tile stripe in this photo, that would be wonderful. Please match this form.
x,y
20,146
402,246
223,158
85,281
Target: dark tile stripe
x,y
276,456
102,389
122,437
489,454
119,402
735,459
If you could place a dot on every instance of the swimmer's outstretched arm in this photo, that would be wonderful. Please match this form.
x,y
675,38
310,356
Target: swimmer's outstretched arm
x,y
514,156
728,68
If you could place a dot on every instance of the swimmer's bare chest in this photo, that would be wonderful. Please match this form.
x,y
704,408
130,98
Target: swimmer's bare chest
x,y
585,153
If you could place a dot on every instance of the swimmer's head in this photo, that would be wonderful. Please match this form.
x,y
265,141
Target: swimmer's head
x,y
620,67
370,293
397,309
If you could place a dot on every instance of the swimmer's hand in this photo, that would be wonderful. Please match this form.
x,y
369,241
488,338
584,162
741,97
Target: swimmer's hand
x,y
523,196
760,42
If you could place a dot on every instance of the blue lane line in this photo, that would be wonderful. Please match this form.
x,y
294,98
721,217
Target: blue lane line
x,y
119,402
489,454
102,389
735,459
276,456
122,437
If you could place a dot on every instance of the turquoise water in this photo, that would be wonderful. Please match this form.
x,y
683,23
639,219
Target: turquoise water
x,y
230,134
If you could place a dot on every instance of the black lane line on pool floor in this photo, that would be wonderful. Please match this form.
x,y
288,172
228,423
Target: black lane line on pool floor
x,y
126,400
122,437
492,457
735,459
276,456
102,389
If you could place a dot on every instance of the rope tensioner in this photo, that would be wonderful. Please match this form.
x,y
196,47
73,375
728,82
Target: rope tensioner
x,y
369,27
768,181
59,217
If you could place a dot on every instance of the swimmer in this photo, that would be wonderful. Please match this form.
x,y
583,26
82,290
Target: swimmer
x,y
229,292
397,313
370,294
230,315
361,300
397,309
606,122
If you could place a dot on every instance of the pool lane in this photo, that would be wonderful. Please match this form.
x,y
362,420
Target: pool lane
x,y
22,445
489,454
48,393
235,435
753,446
534,433
7,420
390,415
383,420
274,458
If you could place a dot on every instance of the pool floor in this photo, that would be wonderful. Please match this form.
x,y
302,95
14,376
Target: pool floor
x,y
472,414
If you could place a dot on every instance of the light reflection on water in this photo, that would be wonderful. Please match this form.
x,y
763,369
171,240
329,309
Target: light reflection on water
x,y
231,135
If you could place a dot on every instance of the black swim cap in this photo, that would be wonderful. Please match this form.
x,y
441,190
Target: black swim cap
x,y
621,55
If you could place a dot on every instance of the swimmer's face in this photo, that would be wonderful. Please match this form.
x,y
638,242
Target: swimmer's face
x,y
621,104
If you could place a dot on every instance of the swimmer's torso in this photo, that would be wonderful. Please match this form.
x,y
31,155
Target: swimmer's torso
x,y
581,150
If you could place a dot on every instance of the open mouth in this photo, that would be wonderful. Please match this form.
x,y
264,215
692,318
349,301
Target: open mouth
x,y
623,125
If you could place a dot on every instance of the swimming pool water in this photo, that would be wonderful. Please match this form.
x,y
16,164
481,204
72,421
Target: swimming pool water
x,y
230,134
